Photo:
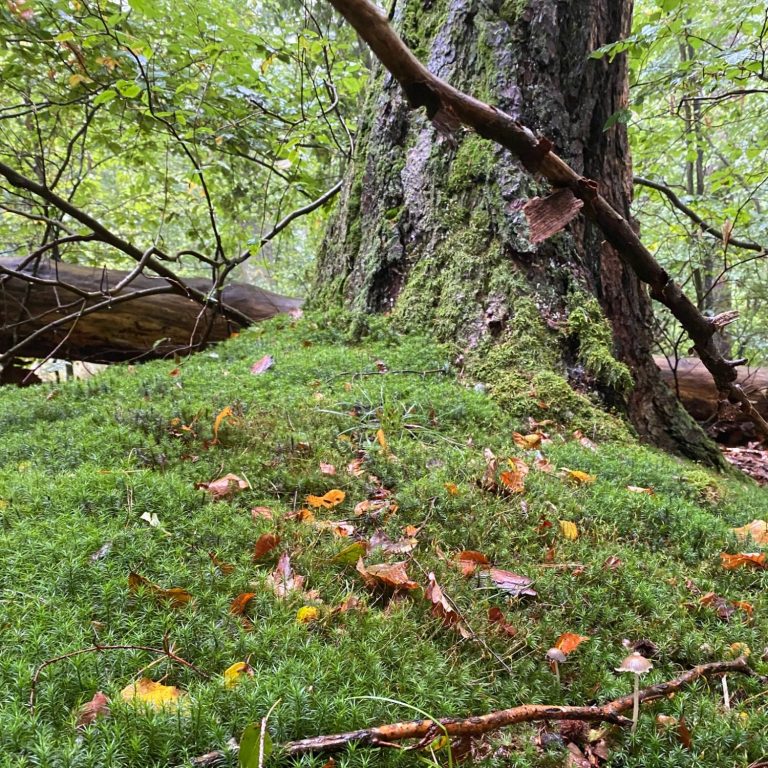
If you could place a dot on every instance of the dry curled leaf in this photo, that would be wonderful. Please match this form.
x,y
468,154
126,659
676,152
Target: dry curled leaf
x,y
327,469
380,540
176,596
387,575
225,414
743,560
638,489
92,710
496,617
757,530
470,560
442,608
223,488
240,603
569,641
283,580
355,467
225,568
513,481
261,513
331,499
264,545
262,365
512,583
157,695
527,442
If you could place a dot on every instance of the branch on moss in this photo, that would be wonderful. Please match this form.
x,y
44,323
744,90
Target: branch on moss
x,y
426,730
449,108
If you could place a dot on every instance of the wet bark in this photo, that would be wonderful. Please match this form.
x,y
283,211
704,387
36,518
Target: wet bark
x,y
431,229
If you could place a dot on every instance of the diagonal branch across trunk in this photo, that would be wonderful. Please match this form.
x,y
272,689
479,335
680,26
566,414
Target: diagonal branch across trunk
x,y
449,108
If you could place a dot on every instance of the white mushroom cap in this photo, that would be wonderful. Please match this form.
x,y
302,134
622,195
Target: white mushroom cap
x,y
555,654
636,663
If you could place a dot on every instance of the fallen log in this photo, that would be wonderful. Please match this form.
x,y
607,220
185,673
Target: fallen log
x,y
149,326
694,386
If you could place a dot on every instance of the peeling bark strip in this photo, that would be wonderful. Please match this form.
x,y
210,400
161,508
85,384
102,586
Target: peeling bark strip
x,y
448,106
547,216
427,730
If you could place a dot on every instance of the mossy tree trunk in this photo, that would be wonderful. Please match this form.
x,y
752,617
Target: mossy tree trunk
x,y
431,230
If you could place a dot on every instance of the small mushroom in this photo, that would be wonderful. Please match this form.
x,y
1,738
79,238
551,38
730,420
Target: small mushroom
x,y
638,665
556,657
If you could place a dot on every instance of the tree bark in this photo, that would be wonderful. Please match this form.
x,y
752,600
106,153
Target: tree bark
x,y
431,229
148,327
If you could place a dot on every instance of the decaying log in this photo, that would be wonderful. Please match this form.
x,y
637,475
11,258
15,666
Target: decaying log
x,y
698,393
152,326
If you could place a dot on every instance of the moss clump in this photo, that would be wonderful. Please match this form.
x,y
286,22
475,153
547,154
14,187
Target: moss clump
x,y
588,325
472,164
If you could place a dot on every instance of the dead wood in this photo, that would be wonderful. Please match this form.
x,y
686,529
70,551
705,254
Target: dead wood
x,y
391,734
157,323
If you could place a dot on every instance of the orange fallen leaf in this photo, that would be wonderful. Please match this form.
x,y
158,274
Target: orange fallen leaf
x,y
223,488
240,603
748,608
757,530
176,596
224,413
527,442
92,710
470,560
264,545
452,488
331,499
225,568
389,575
513,481
155,694
496,617
743,560
569,642
442,608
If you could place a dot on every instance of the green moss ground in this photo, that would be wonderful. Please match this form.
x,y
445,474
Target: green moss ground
x,y
80,463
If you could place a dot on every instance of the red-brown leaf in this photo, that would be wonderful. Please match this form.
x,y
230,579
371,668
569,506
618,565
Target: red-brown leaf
x,y
264,545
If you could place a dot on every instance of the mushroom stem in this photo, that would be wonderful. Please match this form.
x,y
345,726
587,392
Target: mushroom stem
x,y
557,672
636,703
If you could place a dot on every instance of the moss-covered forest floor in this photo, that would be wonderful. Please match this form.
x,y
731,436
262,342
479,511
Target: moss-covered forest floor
x,y
99,479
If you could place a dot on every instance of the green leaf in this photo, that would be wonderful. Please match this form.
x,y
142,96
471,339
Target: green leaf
x,y
104,97
250,746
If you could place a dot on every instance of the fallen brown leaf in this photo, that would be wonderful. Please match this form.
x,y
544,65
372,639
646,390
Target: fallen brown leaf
x,y
264,545
223,488
442,608
388,575
496,617
743,560
92,710
176,596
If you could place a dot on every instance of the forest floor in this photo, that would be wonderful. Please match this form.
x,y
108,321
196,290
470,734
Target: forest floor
x,y
275,589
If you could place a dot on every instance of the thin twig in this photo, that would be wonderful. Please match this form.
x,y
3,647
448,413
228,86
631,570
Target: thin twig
x,y
168,652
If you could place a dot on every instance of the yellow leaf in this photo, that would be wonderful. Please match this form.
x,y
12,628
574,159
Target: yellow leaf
x,y
235,673
452,488
331,499
78,79
155,694
527,442
757,530
569,529
579,477
224,413
381,439
307,614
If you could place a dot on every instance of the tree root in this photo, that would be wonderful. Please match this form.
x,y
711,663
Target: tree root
x,y
391,734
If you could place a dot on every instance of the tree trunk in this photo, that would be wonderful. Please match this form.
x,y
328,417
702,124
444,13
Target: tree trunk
x,y
430,229
148,327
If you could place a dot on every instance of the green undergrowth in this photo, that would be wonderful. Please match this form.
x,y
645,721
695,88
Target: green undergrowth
x,y
91,463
